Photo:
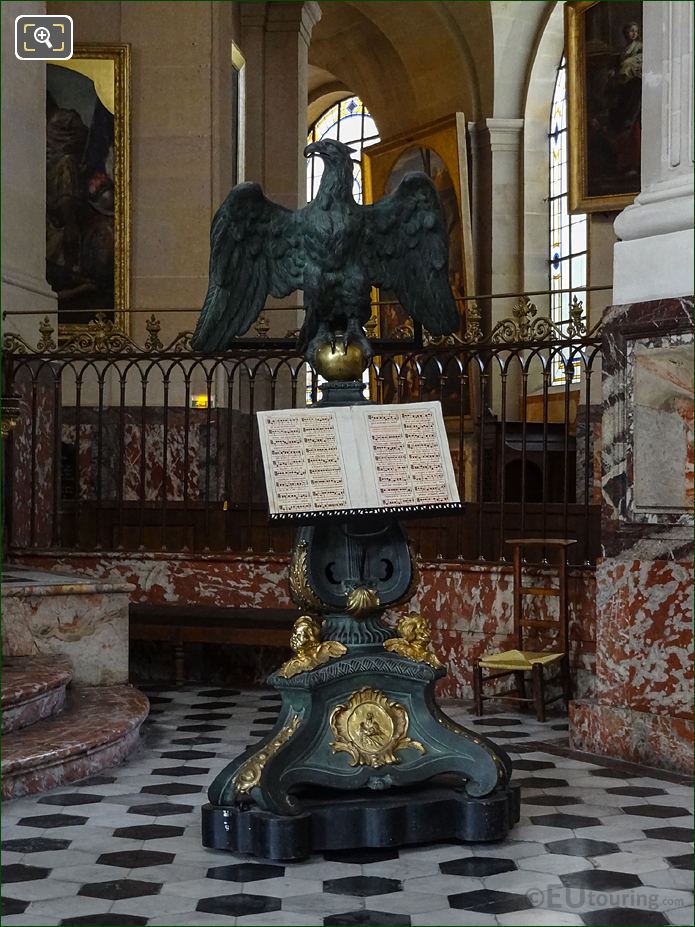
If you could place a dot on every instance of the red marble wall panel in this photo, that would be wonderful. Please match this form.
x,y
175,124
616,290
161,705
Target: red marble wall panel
x,y
637,736
32,459
469,606
645,648
644,608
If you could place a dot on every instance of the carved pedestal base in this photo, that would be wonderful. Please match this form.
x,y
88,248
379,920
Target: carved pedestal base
x,y
364,721
337,821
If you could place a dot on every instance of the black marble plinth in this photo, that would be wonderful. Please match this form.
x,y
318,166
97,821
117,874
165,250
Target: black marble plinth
x,y
331,820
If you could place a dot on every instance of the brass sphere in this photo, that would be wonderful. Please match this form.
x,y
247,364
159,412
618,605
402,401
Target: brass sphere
x,y
339,363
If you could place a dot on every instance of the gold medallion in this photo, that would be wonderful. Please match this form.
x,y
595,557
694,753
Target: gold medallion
x,y
371,729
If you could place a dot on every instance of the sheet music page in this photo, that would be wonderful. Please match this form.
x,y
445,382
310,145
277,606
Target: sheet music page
x,y
310,460
366,456
410,459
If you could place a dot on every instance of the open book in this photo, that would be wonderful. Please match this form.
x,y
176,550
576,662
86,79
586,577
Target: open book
x,y
363,457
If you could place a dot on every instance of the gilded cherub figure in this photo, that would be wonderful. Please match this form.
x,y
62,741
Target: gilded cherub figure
x,y
309,651
414,640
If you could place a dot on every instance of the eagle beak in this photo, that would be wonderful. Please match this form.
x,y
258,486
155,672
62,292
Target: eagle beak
x,y
311,150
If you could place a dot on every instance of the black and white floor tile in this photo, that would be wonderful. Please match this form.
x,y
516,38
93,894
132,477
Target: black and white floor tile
x,y
597,844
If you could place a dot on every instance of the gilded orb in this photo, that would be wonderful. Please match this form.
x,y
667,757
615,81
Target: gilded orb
x,y
336,361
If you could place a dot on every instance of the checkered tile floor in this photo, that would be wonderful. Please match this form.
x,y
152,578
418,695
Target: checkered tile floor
x,y
595,845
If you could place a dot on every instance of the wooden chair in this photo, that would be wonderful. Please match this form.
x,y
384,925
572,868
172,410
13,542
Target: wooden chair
x,y
520,661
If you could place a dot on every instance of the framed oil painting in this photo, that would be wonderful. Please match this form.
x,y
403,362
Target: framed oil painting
x,y
604,74
88,186
440,150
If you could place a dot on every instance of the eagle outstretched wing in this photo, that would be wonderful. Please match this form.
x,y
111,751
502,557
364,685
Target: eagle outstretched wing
x,y
256,250
406,251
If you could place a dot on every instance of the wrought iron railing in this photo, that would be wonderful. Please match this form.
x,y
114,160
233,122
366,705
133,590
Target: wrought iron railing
x,y
121,447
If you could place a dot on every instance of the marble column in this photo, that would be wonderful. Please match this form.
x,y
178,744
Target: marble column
x,y
654,258
24,286
275,41
643,709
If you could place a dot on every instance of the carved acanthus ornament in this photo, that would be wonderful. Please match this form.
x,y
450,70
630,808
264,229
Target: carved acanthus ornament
x,y
301,590
309,651
250,772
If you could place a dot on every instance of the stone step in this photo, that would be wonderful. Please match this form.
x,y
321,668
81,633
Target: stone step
x,y
98,728
33,688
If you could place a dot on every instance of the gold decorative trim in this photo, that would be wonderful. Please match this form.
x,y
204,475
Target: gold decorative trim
x,y
301,591
362,601
450,725
309,651
250,772
46,330
153,326
99,336
262,325
93,61
575,46
526,325
414,578
10,414
371,729
103,336
414,641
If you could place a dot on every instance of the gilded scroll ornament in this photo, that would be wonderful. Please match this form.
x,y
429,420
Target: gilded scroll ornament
x,y
309,651
301,591
371,729
250,772
414,641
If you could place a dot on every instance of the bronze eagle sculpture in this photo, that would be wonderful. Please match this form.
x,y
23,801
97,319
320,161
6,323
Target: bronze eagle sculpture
x,y
334,250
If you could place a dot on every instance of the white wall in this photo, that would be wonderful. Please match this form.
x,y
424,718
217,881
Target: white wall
x,y
24,284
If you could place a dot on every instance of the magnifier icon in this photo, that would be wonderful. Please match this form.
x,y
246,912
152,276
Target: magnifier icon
x,y
42,35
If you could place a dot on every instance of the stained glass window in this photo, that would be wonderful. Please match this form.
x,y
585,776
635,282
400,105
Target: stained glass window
x,y
567,263
348,121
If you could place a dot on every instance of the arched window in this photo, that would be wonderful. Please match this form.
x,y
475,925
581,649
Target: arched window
x,y
348,121
567,263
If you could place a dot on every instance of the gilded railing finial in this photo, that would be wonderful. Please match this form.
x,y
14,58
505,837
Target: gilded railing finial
x,y
153,326
371,326
262,326
473,316
577,325
523,313
46,342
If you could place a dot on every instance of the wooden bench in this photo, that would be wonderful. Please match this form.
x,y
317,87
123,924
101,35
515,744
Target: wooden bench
x,y
205,624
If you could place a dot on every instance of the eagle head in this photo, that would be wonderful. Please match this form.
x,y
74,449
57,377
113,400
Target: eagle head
x,y
331,151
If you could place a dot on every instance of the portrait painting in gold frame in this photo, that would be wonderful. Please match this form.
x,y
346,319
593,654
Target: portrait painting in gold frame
x,y
439,149
603,43
88,186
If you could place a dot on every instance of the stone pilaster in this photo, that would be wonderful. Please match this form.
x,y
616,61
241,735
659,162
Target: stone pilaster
x,y
275,41
497,151
654,259
24,286
643,709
